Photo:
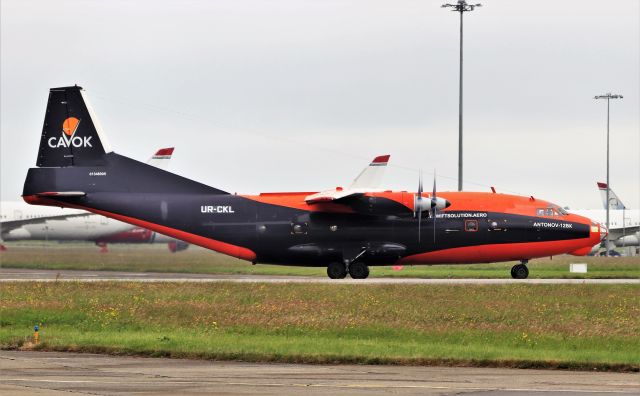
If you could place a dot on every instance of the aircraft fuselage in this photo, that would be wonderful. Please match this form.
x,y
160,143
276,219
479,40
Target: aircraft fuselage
x,y
281,228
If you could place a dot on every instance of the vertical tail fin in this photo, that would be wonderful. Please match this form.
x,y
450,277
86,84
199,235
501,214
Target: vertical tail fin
x,y
614,202
371,176
70,135
161,158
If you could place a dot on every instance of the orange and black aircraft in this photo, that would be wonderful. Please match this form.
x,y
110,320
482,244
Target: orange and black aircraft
x,y
346,230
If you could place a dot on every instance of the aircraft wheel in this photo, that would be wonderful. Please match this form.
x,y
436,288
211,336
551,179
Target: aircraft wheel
x,y
358,270
336,270
519,271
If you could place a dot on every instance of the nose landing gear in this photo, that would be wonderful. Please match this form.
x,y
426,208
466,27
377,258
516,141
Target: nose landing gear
x,y
520,271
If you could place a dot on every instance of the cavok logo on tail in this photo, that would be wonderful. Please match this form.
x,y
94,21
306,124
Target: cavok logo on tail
x,y
68,138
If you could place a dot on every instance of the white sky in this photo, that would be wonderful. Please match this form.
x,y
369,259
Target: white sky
x,y
299,95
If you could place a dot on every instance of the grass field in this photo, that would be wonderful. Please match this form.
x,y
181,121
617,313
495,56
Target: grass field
x,y
573,326
156,258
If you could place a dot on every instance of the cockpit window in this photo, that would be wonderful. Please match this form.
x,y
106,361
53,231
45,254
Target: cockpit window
x,y
551,211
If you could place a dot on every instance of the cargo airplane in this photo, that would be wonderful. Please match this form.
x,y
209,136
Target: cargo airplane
x,y
344,229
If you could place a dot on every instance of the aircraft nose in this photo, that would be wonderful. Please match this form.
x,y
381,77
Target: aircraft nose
x,y
598,231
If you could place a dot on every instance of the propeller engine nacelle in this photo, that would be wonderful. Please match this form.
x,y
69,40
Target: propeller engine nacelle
x,y
426,204
629,240
430,205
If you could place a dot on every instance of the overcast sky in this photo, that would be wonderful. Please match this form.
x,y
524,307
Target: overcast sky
x,y
299,95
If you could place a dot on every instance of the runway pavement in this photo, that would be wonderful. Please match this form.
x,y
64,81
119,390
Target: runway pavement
x,y
10,275
24,372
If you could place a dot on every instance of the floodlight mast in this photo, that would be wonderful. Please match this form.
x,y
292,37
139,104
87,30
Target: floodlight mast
x,y
462,6
608,97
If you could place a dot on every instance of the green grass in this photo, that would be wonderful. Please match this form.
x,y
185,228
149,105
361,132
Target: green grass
x,y
154,258
568,326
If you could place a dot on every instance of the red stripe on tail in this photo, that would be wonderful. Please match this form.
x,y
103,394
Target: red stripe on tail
x,y
165,151
381,159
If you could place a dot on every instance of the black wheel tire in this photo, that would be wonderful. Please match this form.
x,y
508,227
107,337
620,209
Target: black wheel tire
x,y
521,271
513,271
358,270
336,270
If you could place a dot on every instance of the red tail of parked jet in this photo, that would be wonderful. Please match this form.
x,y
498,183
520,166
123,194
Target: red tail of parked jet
x,y
346,230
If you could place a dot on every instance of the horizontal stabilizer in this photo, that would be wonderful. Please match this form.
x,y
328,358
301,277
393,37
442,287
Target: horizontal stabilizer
x,y
61,194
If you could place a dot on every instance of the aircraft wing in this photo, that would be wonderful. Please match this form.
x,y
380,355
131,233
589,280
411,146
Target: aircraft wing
x,y
616,233
368,180
7,226
333,195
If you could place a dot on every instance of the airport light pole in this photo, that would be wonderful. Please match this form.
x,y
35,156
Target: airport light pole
x,y
608,97
460,7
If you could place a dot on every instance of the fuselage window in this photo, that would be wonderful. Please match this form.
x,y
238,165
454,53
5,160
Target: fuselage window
x,y
471,225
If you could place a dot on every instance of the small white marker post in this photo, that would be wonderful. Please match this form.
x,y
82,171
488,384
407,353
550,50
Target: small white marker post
x,y
580,268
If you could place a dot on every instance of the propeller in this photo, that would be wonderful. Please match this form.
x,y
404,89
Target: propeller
x,y
418,204
432,205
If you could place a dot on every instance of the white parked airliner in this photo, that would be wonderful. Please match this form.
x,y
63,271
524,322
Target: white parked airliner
x,y
20,221
624,224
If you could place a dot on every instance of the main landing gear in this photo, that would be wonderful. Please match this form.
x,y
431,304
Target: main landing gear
x,y
336,270
520,271
357,270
